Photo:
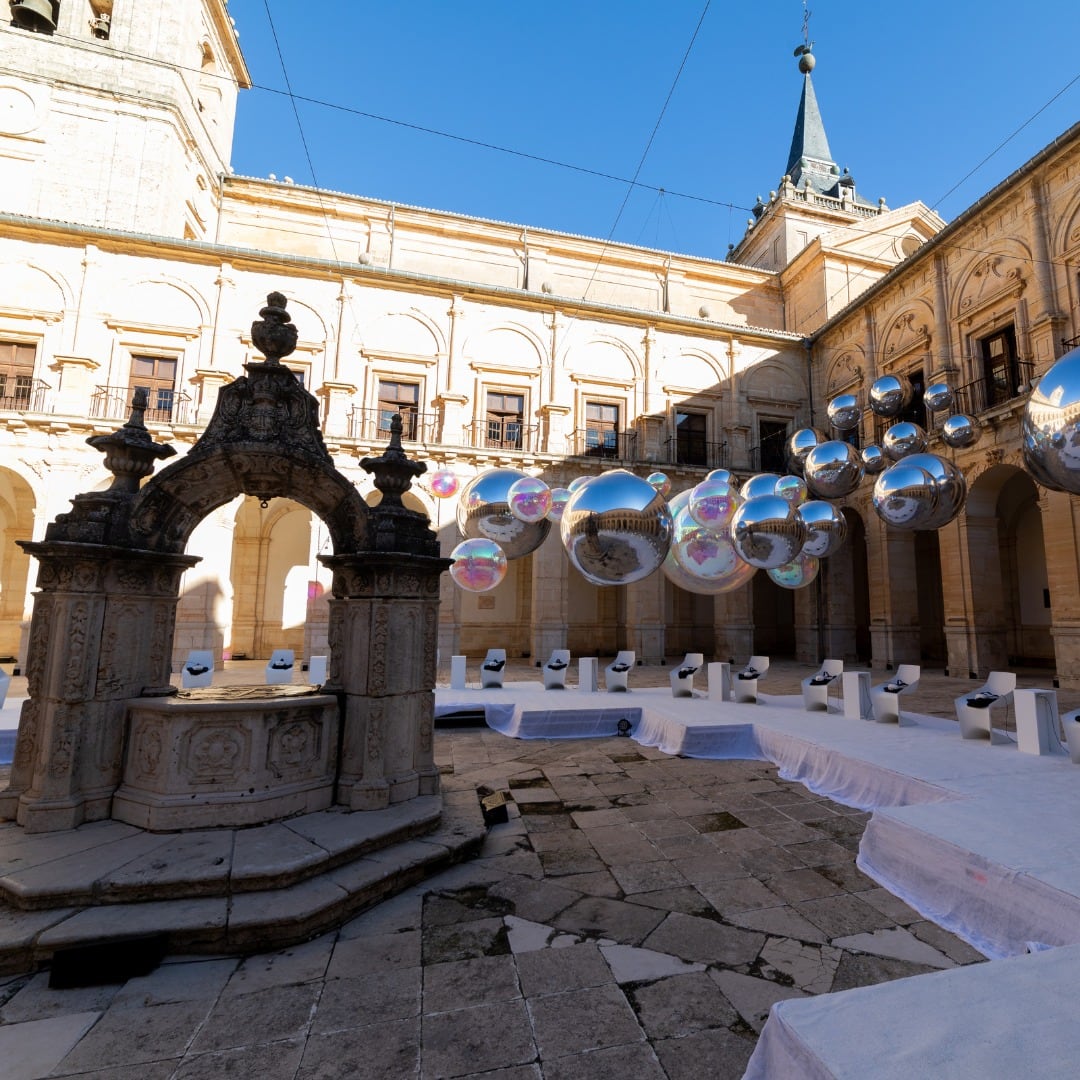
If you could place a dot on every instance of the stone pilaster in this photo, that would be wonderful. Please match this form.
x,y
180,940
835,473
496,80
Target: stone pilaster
x,y
894,626
551,577
76,383
646,625
335,398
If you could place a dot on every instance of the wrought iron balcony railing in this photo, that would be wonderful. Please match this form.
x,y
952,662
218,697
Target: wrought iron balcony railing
x,y
373,425
698,452
501,435
603,443
986,393
166,406
23,394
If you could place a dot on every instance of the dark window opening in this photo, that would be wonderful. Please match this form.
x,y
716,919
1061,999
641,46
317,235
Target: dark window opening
x,y
404,399
772,446
601,429
157,376
16,374
1001,373
690,439
504,420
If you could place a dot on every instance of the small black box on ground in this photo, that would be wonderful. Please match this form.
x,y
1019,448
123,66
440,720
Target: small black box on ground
x,y
493,807
106,962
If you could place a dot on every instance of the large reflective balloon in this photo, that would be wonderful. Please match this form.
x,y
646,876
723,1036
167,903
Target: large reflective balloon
x,y
938,397
902,439
712,503
792,489
659,481
959,431
616,529
739,576
444,483
577,482
706,555
873,459
799,445
759,484
796,574
905,496
890,395
950,487
529,499
845,412
483,512
826,528
478,565
833,470
559,498
767,531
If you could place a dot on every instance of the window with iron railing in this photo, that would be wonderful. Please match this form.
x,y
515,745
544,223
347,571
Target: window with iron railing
x,y
601,429
16,374
401,398
999,366
157,376
691,438
771,450
504,424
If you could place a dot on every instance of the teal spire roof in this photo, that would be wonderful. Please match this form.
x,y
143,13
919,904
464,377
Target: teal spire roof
x,y
809,139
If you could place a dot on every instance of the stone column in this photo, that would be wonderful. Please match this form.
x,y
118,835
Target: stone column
x,y
335,398
1061,538
551,575
101,633
76,384
645,630
894,600
383,628
209,382
733,629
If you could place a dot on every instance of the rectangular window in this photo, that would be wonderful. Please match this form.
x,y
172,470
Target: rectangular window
x,y
915,412
601,429
505,420
402,398
16,374
690,439
772,446
1001,375
157,376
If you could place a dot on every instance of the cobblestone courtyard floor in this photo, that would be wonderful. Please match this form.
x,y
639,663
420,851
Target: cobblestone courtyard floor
x,y
635,917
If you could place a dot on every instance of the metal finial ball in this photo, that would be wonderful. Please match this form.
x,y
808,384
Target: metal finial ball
x,y
807,62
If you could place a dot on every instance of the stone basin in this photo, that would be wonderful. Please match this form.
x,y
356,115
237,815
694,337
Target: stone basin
x,y
227,756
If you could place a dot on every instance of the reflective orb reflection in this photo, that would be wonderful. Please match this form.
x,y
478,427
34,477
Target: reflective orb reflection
x,y
1050,426
444,483
799,445
873,459
959,431
660,482
712,503
559,498
759,484
796,574
833,470
720,474
890,395
529,499
477,565
950,487
483,512
845,412
578,482
826,528
902,439
905,496
767,531
792,489
703,553
938,397
616,529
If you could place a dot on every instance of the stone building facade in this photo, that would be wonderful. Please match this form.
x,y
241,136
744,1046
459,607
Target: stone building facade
x,y
130,255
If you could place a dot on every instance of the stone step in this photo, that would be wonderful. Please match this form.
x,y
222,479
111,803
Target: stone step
x,y
274,914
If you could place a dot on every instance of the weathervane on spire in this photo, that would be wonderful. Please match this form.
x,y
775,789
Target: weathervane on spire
x,y
803,51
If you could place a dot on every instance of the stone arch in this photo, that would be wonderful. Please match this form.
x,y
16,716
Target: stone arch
x,y
17,507
990,276
770,380
846,372
37,289
508,344
410,333
909,332
605,357
171,299
704,362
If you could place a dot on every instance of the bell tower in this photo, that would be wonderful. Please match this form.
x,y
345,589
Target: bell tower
x,y
118,113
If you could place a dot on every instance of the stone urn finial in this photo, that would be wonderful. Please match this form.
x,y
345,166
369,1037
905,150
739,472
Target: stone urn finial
x,y
130,453
394,472
273,333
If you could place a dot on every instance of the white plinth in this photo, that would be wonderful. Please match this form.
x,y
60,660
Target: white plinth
x,y
457,672
856,690
317,670
719,681
1036,721
587,674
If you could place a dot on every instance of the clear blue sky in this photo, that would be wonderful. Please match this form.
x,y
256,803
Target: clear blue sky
x,y
914,96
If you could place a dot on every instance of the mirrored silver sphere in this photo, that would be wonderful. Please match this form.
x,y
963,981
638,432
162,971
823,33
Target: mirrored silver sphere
x,y
826,527
796,574
706,556
905,496
767,531
959,431
873,459
890,395
792,489
845,412
759,484
616,529
721,474
833,470
950,486
1051,426
902,439
938,397
483,512
799,445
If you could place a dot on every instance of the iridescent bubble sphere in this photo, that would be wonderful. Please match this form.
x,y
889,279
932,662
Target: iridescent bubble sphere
x,y
478,565
759,484
833,470
873,459
792,489
905,496
890,395
444,483
959,431
950,487
902,439
740,575
616,529
796,574
529,499
844,411
826,528
767,531
712,503
483,512
660,482
702,553
938,397
800,444
577,482
559,498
